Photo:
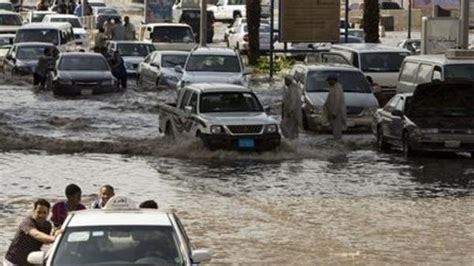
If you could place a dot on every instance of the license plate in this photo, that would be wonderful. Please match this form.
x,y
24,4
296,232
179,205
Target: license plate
x,y
246,143
86,92
452,144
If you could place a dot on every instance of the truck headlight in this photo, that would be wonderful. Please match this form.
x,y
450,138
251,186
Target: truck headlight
x,y
271,128
216,129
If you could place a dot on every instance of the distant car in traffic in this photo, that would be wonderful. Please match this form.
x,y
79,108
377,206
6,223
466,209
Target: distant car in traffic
x,y
36,16
10,22
169,36
60,34
22,58
96,3
192,17
158,69
102,14
437,116
121,234
81,74
7,39
6,5
80,33
360,101
412,45
219,65
132,52
239,38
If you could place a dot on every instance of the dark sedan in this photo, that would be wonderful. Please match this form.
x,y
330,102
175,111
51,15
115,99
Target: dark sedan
x,y
82,74
438,116
22,58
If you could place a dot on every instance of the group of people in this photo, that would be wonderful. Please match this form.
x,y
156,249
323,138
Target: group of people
x,y
114,29
35,230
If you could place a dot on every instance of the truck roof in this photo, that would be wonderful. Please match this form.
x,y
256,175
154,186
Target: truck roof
x,y
217,87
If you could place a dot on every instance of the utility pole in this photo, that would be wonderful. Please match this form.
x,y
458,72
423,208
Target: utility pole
x,y
203,33
409,19
465,24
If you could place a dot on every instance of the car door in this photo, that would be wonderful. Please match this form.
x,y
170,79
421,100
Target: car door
x,y
387,117
145,71
189,119
396,127
155,69
180,120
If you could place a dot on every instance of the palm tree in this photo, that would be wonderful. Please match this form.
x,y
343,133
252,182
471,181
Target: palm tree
x,y
253,24
371,21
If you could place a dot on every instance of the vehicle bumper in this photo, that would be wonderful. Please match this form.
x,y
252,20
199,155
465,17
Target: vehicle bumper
x,y
62,89
443,143
352,122
223,141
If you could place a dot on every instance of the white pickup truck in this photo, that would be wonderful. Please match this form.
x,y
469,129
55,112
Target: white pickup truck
x,y
223,116
228,9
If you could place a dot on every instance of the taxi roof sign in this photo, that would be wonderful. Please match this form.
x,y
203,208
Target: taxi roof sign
x,y
460,54
120,203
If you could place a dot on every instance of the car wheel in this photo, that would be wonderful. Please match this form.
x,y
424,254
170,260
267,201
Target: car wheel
x,y
382,145
407,150
169,132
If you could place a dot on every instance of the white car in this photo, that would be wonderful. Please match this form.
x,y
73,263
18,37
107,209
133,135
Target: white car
x,y
80,34
121,234
36,16
132,52
239,39
233,27
10,22
217,65
228,9
158,69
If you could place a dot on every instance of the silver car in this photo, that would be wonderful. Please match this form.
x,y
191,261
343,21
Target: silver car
x,y
158,69
213,65
132,52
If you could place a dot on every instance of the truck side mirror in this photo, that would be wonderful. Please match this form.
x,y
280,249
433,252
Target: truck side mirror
x,y
178,69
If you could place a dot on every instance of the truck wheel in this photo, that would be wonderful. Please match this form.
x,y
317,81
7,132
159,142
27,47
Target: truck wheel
x,y
169,132
382,145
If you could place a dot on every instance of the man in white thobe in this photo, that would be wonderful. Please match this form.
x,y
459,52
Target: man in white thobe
x,y
335,106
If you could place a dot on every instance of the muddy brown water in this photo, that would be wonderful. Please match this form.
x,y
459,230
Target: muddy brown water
x,y
310,202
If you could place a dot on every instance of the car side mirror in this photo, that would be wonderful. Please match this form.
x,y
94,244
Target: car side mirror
x,y
289,80
397,113
200,255
178,69
188,109
36,258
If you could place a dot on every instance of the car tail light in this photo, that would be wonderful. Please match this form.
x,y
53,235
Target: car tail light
x,y
246,37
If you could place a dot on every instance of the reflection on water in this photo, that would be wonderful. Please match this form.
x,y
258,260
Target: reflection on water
x,y
367,208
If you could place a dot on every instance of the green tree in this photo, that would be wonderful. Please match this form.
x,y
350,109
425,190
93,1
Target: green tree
x,y
253,23
371,21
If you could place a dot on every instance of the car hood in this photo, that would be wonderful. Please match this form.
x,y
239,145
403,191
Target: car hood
x,y
85,75
442,99
218,77
238,118
365,100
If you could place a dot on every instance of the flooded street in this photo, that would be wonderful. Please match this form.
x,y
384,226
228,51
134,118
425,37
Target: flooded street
x,y
311,201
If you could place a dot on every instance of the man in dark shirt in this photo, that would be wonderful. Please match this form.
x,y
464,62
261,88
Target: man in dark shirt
x,y
33,232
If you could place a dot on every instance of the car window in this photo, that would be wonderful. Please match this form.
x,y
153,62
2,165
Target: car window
x,y
30,53
184,101
424,73
464,71
119,245
381,61
193,102
135,49
229,102
351,81
10,20
213,63
171,60
172,34
408,71
83,63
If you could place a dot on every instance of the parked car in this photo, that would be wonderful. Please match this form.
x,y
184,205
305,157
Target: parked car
x,y
7,39
312,81
121,234
22,58
205,64
132,52
437,116
169,36
223,116
192,17
80,33
102,14
158,69
454,64
228,9
36,16
81,74
239,39
10,22
6,5
412,45
60,34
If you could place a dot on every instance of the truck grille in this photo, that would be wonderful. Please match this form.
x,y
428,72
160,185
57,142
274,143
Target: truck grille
x,y
247,129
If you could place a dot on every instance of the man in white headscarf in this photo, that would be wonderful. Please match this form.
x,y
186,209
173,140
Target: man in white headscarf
x,y
291,112
335,106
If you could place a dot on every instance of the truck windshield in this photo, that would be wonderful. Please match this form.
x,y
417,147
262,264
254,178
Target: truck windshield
x,y
37,35
459,72
83,63
119,245
351,81
213,63
221,102
172,35
381,62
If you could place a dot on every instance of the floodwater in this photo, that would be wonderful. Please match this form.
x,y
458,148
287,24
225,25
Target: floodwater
x,y
310,202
